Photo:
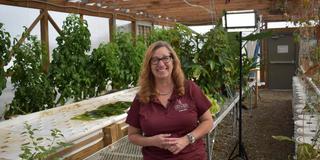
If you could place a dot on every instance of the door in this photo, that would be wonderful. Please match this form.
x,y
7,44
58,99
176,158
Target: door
x,y
281,61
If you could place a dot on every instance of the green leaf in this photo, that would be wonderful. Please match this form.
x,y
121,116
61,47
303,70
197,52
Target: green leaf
x,y
283,138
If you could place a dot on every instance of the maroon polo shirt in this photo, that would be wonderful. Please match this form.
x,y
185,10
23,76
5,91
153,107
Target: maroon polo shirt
x,y
179,118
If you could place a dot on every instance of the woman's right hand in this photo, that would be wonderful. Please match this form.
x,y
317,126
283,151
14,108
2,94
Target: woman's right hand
x,y
163,141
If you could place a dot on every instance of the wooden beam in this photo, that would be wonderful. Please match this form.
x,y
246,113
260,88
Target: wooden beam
x,y
112,27
23,37
274,18
45,40
76,8
82,146
86,152
54,24
189,14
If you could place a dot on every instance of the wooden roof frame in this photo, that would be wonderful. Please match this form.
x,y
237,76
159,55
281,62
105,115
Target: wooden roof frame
x,y
161,12
82,9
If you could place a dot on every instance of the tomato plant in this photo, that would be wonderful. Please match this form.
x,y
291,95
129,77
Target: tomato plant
x,y
68,70
103,66
33,91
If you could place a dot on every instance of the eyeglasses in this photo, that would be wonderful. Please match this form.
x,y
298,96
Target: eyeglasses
x,y
164,59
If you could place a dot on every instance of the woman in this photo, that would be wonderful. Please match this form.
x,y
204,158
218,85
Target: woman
x,y
170,115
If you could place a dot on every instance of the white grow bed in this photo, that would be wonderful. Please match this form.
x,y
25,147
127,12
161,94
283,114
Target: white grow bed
x,y
59,118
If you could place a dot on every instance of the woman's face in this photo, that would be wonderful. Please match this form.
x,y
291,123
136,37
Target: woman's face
x,y
161,63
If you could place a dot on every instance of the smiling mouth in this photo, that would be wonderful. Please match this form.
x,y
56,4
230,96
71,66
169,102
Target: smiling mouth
x,y
162,69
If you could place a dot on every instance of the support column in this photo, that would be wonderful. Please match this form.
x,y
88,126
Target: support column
x,y
112,27
134,30
81,17
45,39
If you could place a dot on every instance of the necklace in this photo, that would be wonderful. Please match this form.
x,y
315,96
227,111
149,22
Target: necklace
x,y
166,93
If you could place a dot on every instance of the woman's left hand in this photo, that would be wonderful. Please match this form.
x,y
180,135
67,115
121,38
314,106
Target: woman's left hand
x,y
179,145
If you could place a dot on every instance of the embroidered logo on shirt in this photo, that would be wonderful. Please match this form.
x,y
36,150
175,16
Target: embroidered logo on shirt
x,y
181,106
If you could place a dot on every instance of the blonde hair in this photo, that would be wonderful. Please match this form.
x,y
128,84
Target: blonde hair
x,y
147,80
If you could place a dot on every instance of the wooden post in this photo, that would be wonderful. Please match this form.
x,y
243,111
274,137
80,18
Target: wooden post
x,y
134,31
111,134
45,40
81,17
122,127
112,27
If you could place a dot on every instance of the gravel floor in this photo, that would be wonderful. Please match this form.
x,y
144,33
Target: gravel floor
x,y
273,116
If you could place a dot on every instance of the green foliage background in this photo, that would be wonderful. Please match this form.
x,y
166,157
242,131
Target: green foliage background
x,y
211,60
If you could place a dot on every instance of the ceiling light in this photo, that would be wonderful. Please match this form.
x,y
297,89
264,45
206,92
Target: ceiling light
x,y
75,1
91,4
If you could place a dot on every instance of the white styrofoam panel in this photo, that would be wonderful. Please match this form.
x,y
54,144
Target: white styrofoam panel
x,y
59,118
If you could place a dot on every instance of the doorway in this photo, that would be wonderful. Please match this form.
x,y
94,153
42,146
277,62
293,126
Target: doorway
x,y
281,60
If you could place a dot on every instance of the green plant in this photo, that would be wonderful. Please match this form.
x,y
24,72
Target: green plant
x,y
33,91
104,111
187,44
68,70
130,58
5,44
103,66
169,36
215,107
215,66
305,151
40,148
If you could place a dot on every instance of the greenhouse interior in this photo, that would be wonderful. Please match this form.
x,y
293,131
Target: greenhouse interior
x,y
70,71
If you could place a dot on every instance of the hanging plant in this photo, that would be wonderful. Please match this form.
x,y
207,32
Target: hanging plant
x,y
5,44
68,70
33,91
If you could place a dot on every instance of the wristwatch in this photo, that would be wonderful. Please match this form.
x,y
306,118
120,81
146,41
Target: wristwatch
x,y
191,138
